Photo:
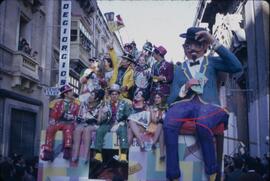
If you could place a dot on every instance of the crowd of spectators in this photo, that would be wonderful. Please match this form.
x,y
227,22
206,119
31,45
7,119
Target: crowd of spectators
x,y
243,167
17,168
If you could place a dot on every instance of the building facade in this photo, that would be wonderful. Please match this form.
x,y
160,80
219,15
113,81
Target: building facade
x,y
29,60
243,27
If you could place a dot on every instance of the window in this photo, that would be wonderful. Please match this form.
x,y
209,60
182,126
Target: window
x,y
24,35
73,35
85,42
22,131
74,83
96,50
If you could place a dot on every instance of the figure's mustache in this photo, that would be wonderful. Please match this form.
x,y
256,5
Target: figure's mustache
x,y
193,51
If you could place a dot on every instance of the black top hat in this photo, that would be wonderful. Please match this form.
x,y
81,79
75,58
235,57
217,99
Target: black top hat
x,y
191,32
128,57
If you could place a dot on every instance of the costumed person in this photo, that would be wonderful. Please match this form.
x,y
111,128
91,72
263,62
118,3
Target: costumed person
x,y
113,118
108,64
195,82
142,75
128,48
89,80
147,51
162,72
86,123
157,110
139,118
63,113
122,72
146,122
134,50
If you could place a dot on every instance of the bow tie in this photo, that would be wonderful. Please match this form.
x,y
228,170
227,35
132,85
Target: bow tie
x,y
194,63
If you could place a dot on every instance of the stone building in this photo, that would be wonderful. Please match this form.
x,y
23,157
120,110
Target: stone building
x,y
29,58
243,27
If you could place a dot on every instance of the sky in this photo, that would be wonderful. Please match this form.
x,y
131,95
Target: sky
x,y
159,22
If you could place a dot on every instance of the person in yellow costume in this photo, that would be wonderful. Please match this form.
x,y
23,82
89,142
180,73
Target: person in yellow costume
x,y
122,71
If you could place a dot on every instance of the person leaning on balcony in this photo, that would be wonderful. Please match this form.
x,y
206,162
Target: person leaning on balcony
x,y
195,82
122,72
63,113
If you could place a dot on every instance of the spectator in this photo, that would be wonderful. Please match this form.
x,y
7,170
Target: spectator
x,y
237,172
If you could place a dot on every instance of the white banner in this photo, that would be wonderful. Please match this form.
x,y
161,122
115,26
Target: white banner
x,y
64,43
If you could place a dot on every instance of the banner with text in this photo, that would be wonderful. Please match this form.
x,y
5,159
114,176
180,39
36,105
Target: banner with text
x,y
64,43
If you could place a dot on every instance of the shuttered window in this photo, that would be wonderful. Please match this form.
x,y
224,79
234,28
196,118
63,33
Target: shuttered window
x,y
22,132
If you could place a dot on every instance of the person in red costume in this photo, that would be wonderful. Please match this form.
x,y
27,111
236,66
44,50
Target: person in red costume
x,y
63,113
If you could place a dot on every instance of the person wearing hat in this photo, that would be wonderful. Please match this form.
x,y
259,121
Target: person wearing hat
x,y
147,51
122,72
89,80
86,123
63,113
113,117
142,75
162,72
195,84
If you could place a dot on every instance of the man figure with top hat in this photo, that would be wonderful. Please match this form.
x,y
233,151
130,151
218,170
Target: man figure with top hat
x,y
162,72
63,113
195,82
113,118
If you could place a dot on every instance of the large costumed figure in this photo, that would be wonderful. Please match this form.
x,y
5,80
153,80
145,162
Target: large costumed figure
x,y
63,113
195,82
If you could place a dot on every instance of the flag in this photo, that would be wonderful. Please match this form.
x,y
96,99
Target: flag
x,y
119,22
109,16
114,25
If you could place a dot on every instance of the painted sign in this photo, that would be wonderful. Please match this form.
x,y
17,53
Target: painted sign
x,y
51,91
64,43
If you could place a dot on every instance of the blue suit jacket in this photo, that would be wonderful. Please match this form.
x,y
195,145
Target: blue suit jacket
x,y
225,62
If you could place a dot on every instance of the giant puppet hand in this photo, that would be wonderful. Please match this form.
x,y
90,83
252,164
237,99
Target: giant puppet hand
x,y
205,36
190,83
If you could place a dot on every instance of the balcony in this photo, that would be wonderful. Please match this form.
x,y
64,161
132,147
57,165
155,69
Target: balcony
x,y
81,44
89,6
25,65
23,69
78,52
